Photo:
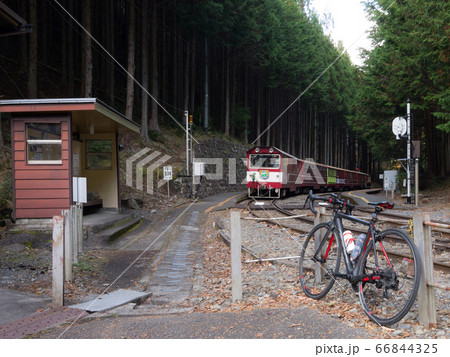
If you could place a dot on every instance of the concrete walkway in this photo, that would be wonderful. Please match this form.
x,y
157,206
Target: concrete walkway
x,y
170,279
301,323
15,305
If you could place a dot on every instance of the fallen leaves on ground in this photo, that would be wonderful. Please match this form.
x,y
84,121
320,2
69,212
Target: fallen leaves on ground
x,y
283,290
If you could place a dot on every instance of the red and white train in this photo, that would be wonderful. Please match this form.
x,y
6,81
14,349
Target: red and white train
x,y
273,173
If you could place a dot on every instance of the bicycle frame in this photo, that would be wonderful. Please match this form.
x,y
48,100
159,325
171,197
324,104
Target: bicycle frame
x,y
336,223
387,287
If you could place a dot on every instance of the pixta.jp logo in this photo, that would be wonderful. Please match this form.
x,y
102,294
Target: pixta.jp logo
x,y
148,161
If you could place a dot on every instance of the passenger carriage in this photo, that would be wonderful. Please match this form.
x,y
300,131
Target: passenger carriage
x,y
273,173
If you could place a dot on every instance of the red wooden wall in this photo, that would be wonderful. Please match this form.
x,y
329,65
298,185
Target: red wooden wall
x,y
40,191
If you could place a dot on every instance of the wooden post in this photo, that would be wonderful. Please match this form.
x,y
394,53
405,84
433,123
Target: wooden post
x,y
58,261
80,227
416,182
73,233
236,274
319,218
426,295
68,246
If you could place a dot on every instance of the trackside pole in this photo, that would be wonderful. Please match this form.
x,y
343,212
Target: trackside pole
x,y
408,151
426,296
319,218
236,273
58,261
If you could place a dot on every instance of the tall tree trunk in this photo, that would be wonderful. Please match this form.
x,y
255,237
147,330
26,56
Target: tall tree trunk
x,y
186,79
67,45
32,63
131,63
86,50
316,136
267,111
175,64
258,112
206,124
24,39
234,122
70,57
43,31
144,64
110,82
289,146
246,102
164,58
227,95
154,117
193,74
2,144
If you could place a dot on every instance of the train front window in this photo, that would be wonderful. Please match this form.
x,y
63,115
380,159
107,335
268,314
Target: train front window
x,y
264,161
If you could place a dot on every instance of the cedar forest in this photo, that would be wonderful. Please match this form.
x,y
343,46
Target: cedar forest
x,y
271,75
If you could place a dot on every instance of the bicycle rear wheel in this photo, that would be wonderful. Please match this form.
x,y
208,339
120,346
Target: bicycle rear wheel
x,y
319,263
390,287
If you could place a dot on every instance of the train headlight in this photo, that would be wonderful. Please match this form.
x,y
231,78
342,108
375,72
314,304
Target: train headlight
x,y
271,150
257,150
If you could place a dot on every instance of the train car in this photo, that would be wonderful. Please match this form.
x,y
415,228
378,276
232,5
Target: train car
x,y
272,173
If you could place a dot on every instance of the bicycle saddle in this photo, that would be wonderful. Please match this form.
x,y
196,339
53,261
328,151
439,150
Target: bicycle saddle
x,y
383,204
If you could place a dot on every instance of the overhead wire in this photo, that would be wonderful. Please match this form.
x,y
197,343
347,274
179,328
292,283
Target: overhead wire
x,y
11,80
123,68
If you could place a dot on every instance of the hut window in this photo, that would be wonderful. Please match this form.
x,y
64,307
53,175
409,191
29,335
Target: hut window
x,y
99,154
44,143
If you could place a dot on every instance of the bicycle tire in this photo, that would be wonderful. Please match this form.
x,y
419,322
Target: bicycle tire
x,y
388,297
316,278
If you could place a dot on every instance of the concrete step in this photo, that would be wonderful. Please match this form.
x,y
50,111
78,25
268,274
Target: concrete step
x,y
39,225
119,229
101,221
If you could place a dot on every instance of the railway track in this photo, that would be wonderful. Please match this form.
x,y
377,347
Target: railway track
x,y
306,218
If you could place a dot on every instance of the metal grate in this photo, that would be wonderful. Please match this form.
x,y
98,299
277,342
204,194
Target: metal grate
x,y
39,322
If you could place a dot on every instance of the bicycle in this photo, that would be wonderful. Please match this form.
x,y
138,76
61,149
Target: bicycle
x,y
386,274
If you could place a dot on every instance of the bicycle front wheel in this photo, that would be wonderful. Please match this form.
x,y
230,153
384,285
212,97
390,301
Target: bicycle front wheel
x,y
319,261
391,276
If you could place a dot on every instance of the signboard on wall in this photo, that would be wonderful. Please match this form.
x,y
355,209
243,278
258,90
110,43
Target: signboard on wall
x,y
79,192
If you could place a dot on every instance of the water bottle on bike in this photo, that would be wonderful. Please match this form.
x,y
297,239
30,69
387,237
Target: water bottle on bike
x,y
358,246
349,242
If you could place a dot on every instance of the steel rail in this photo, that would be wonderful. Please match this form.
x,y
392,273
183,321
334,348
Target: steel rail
x,y
358,230
437,264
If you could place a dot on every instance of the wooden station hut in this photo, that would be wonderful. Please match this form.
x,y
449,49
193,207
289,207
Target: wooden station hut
x,y
55,140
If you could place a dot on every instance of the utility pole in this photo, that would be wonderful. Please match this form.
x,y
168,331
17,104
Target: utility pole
x,y
186,118
408,150
400,127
